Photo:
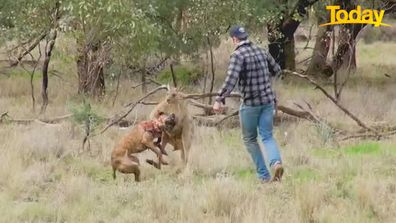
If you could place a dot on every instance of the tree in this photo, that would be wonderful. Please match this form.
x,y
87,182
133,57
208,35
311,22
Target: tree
x,y
190,28
345,54
318,66
55,17
30,22
282,27
91,23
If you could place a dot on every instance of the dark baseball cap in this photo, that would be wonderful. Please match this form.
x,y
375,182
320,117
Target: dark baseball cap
x,y
238,32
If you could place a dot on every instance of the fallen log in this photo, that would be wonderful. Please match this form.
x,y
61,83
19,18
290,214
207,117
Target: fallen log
x,y
5,118
383,132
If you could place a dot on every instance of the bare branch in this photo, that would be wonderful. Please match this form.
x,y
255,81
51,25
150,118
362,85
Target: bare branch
x,y
4,114
346,111
148,80
42,121
207,108
235,113
29,49
154,82
133,105
211,68
173,75
118,85
206,95
138,85
369,136
149,103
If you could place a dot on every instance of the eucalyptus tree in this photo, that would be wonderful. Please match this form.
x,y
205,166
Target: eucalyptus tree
x,y
345,45
94,24
282,26
28,23
190,28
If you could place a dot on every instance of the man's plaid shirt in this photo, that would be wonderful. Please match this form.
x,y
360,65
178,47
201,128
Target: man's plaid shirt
x,y
252,68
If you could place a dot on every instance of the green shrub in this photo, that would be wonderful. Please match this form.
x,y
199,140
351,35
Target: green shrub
x,y
83,114
185,75
325,133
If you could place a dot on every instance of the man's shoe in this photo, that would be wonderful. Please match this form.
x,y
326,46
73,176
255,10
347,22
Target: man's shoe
x,y
278,172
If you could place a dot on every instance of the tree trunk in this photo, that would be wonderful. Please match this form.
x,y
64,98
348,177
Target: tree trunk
x,y
281,35
276,47
318,66
289,48
143,80
281,45
212,68
47,55
48,52
90,62
346,52
173,75
205,71
345,56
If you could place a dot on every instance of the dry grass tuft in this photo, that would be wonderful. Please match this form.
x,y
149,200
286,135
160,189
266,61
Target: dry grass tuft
x,y
45,178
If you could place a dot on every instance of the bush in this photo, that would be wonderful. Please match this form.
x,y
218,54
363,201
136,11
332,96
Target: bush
x,y
185,75
83,114
371,35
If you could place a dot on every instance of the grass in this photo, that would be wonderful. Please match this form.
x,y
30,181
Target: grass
x,y
369,148
45,178
219,186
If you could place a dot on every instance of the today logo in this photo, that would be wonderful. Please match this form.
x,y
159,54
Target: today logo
x,y
357,16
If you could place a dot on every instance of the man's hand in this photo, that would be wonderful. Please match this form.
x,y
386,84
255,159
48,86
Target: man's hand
x,y
218,107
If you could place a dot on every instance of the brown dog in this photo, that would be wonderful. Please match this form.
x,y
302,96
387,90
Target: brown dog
x,y
140,138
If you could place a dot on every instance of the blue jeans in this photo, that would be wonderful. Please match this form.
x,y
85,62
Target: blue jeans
x,y
260,117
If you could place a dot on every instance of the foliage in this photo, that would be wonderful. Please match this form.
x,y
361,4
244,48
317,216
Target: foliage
x,y
137,30
188,26
185,75
25,19
83,114
6,19
371,35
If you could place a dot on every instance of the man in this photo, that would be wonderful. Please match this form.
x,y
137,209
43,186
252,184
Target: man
x,y
253,68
